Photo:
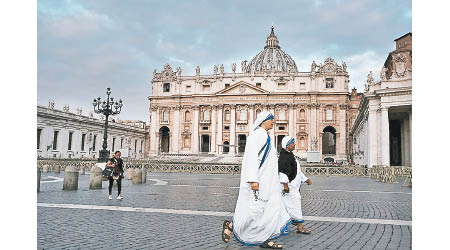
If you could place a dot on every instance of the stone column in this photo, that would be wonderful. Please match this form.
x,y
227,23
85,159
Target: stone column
x,y
95,181
291,120
410,138
251,118
70,178
219,128
176,130
313,129
137,176
342,131
385,137
195,143
38,180
213,129
153,125
372,150
233,130
272,131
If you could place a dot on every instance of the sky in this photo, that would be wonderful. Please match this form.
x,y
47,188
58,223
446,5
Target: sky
x,y
83,47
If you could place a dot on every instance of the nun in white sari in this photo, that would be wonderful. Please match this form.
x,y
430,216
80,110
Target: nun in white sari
x,y
260,216
291,177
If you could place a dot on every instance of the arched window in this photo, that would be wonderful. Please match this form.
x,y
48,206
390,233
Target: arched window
x,y
206,115
166,87
187,116
281,115
329,116
165,116
302,114
243,115
227,115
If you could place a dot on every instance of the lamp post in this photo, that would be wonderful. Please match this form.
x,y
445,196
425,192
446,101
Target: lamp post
x,y
106,108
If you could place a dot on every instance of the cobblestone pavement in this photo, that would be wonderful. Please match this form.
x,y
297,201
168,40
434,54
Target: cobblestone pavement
x,y
130,224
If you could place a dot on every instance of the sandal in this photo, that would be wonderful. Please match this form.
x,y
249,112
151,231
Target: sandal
x,y
273,246
226,237
305,231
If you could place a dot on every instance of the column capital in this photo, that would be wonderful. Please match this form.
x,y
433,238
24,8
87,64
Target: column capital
x,y
215,107
251,106
344,106
154,108
196,107
232,106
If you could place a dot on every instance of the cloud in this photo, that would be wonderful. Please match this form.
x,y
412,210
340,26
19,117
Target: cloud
x,y
85,46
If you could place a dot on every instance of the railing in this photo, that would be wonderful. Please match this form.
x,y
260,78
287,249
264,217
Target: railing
x,y
379,173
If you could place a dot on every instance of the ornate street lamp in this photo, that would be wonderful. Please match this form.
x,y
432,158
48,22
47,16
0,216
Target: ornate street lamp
x,y
106,108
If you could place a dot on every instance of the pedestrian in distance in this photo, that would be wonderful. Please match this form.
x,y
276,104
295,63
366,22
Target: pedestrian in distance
x,y
116,164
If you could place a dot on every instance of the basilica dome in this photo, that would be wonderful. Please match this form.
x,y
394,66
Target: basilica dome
x,y
272,57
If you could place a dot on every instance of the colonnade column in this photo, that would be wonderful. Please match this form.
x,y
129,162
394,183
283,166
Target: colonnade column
x,y
373,149
213,129
410,138
385,136
233,130
195,144
219,127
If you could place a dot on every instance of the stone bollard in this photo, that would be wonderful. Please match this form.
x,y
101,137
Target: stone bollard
x,y
137,176
144,175
38,180
70,178
129,174
95,181
82,170
57,169
45,168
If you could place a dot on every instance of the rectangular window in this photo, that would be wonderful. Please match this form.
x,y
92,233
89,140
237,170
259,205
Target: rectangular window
x,y
205,128
329,83
188,88
69,147
121,143
55,140
206,87
39,138
135,145
258,84
83,141
93,146
166,87
226,128
281,128
227,85
302,84
114,141
142,144
281,84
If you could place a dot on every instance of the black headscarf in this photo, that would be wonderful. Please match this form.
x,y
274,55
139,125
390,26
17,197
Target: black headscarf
x,y
287,164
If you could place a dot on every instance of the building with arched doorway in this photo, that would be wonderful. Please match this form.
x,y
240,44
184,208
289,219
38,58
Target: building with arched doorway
x,y
212,113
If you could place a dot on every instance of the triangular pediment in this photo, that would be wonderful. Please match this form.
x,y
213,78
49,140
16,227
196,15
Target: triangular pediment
x,y
242,88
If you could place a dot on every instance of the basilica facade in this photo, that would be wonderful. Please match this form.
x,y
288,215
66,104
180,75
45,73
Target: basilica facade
x,y
212,114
